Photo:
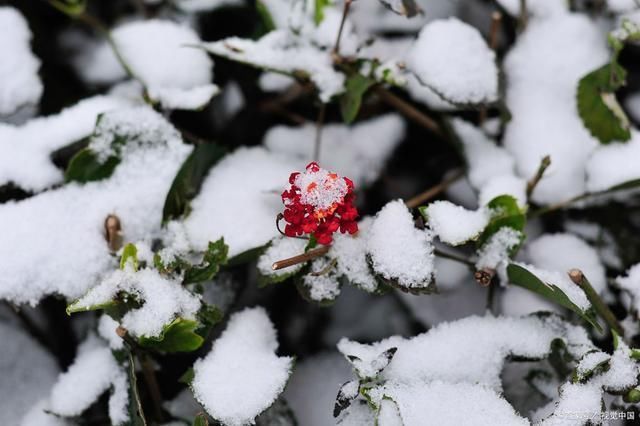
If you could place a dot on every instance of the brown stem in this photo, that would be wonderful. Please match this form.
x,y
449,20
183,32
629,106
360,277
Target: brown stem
x,y
434,190
345,12
494,32
524,16
318,141
408,110
301,258
152,385
113,232
544,165
598,304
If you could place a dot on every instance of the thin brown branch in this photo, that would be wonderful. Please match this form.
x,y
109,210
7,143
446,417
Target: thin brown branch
x,y
434,190
544,165
301,258
345,12
408,110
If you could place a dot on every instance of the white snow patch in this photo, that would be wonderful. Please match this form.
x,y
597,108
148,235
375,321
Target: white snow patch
x,y
613,164
350,252
454,224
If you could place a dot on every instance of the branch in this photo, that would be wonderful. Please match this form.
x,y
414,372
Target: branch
x,y
301,258
434,190
345,12
544,165
408,110
598,304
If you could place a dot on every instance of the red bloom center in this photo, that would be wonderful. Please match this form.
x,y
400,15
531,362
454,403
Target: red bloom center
x,y
319,202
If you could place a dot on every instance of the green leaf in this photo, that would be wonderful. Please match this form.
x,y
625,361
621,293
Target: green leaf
x,y
209,315
201,420
598,107
187,376
265,15
505,212
85,167
188,181
129,253
356,86
523,278
215,256
73,307
318,12
70,7
178,336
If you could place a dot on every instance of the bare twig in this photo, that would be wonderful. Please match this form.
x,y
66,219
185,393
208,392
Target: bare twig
x,y
149,375
524,16
544,165
113,232
598,304
434,190
301,258
345,12
408,110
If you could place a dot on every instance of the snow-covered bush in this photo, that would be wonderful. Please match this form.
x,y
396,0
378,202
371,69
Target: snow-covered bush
x,y
315,212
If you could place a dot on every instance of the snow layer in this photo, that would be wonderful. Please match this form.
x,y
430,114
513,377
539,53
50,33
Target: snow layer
x,y
613,164
631,283
358,152
504,185
25,151
157,52
67,243
281,248
93,372
543,70
242,376
20,84
163,300
454,224
242,192
563,252
350,252
206,5
398,250
28,372
453,59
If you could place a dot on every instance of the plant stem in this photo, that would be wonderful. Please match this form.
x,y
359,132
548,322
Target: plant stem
x,y
345,12
598,304
434,190
544,165
453,257
318,141
524,16
134,388
152,385
301,258
408,110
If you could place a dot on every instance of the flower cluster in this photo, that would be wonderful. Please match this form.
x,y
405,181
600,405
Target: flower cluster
x,y
319,202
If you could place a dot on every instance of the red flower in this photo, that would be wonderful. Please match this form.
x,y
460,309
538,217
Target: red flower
x,y
320,203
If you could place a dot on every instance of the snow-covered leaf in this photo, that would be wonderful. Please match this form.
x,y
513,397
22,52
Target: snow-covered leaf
x,y
408,8
504,212
597,104
347,393
179,336
350,101
453,224
214,257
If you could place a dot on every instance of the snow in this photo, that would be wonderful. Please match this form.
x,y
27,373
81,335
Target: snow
x,y
485,160
590,361
453,59
243,193
39,415
369,360
350,252
107,330
25,151
158,52
613,164
281,51
206,5
241,376
538,8
28,372
93,372
359,152
622,6
281,248
20,84
562,281
164,300
398,251
456,225
311,391
631,283
67,243
438,403
495,252
323,286
504,185
372,17
542,72
563,252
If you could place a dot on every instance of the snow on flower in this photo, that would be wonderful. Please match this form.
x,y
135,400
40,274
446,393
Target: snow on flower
x,y
319,202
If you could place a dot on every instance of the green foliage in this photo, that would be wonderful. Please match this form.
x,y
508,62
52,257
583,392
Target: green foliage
x,y
265,16
318,11
187,182
505,212
85,167
70,7
356,86
214,257
129,253
598,107
523,278
201,420
178,336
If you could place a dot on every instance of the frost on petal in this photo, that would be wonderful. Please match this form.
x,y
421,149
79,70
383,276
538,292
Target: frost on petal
x,y
359,151
241,376
283,52
454,224
28,372
25,150
72,229
398,251
93,372
242,193
453,59
163,300
68,242
20,84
